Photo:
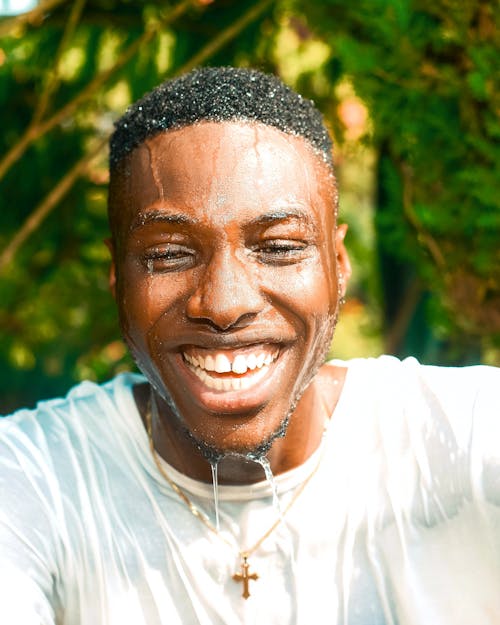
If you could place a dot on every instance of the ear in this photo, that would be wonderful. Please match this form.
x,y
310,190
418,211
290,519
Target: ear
x,y
112,268
344,270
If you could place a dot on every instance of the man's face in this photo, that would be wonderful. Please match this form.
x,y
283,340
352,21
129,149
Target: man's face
x,y
227,266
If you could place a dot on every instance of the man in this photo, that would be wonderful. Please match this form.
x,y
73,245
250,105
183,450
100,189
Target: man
x,y
240,479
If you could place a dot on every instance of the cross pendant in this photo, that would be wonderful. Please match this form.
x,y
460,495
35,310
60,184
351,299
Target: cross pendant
x,y
245,576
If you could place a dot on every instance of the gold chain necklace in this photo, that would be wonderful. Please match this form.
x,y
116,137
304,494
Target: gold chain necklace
x,y
244,576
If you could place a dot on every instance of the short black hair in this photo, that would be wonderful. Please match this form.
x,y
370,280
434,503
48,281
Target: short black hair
x,y
220,94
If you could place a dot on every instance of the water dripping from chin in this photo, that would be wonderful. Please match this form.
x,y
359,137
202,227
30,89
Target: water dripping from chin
x,y
215,484
265,464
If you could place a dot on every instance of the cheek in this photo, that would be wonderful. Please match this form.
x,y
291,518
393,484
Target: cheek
x,y
306,290
143,298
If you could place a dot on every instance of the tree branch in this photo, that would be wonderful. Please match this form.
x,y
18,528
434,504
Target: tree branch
x,y
35,132
53,78
35,16
47,205
226,35
424,237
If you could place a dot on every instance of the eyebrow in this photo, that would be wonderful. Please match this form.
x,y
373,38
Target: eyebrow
x,y
152,216
144,218
281,215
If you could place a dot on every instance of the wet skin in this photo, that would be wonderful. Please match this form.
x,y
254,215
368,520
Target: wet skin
x,y
227,248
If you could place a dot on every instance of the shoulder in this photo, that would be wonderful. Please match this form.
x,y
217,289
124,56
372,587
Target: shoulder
x,y
464,394
32,438
413,425
51,456
386,372
396,391
84,396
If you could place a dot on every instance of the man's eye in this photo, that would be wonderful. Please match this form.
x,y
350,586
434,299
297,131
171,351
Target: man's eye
x,y
168,258
281,251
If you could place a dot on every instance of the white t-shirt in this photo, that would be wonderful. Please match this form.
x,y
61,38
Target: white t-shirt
x,y
399,525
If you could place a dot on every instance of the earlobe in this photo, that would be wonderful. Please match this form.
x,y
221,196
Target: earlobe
x,y
343,263
112,268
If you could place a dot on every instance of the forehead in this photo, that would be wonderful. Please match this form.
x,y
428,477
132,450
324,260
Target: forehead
x,y
231,167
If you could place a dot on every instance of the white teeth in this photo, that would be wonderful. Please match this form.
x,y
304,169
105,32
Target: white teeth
x,y
256,365
229,383
245,383
240,364
252,361
235,383
222,364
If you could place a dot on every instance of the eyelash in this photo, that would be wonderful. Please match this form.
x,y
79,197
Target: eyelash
x,y
171,258
284,251
177,257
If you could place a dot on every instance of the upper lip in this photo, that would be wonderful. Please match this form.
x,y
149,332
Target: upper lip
x,y
228,341
228,348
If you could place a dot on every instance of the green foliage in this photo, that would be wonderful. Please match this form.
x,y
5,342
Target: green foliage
x,y
426,70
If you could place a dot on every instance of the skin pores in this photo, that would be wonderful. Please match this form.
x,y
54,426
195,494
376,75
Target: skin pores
x,y
226,275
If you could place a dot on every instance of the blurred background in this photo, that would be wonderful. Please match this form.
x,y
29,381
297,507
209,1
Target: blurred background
x,y
407,88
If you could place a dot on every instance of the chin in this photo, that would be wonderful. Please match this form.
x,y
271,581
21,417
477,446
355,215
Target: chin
x,y
250,449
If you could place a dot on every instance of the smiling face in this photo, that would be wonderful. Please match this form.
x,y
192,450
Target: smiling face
x,y
227,266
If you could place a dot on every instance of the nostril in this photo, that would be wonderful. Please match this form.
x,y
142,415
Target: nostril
x,y
220,326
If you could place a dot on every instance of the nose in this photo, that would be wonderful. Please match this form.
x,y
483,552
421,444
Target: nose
x,y
227,295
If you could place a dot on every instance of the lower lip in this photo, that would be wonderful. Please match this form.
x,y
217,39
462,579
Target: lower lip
x,y
234,400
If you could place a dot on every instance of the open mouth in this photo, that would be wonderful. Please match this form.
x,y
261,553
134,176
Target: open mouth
x,y
231,370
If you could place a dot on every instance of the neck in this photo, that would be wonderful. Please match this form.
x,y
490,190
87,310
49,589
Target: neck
x,y
302,437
